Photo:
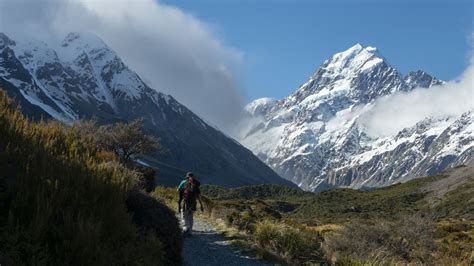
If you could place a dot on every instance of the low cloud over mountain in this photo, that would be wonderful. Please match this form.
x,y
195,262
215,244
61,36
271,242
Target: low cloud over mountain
x,y
173,51
395,112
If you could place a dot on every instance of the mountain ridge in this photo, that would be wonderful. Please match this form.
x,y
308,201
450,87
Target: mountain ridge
x,y
85,78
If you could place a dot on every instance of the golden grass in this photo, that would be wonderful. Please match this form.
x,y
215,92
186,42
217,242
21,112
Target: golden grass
x,y
62,202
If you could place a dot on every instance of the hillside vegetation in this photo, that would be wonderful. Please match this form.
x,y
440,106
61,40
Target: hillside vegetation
x,y
64,202
392,202
426,220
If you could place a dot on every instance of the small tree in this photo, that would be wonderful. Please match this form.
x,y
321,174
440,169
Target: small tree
x,y
126,140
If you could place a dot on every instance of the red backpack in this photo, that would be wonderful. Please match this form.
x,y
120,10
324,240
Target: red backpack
x,y
191,189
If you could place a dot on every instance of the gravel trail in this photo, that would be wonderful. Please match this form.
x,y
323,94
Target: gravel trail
x,y
208,247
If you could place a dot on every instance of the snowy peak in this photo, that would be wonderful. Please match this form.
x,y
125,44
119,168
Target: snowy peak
x,y
35,54
260,106
83,41
22,44
79,48
357,75
77,45
89,56
82,77
356,48
316,138
5,41
357,58
420,78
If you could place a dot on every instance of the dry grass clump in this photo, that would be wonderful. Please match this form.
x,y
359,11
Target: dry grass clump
x,y
294,245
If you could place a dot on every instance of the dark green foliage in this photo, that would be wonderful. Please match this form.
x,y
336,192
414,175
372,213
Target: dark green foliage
x,y
458,202
340,205
392,202
266,191
63,203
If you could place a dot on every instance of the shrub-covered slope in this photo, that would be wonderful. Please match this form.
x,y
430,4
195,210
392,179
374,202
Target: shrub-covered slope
x,y
449,194
62,203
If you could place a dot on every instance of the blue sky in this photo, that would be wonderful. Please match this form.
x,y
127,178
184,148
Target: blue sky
x,y
285,41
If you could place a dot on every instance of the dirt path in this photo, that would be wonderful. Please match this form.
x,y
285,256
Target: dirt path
x,y
208,247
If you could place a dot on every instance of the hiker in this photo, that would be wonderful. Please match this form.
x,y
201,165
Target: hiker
x,y
189,195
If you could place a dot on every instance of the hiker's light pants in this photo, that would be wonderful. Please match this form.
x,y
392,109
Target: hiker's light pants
x,y
188,219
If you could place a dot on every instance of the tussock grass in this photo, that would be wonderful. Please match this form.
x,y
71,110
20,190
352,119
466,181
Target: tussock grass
x,y
292,244
62,202
456,238
168,196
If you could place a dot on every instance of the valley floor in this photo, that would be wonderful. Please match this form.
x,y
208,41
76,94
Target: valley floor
x,y
208,247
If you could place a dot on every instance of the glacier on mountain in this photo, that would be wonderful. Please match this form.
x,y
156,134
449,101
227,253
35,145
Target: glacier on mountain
x,y
318,137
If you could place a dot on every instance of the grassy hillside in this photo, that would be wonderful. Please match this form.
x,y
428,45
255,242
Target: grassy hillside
x,y
425,220
63,202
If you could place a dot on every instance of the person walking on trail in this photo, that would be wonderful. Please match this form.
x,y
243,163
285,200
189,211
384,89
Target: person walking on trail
x,y
189,195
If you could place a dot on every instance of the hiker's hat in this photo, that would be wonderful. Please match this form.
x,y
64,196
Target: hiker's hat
x,y
189,174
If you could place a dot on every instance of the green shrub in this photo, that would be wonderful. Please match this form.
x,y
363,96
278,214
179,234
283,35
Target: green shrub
x,y
265,191
458,202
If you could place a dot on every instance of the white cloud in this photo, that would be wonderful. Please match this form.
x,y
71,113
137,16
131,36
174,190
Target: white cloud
x,y
172,50
395,112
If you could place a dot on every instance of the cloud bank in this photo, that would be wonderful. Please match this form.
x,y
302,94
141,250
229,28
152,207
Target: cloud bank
x,y
395,112
171,50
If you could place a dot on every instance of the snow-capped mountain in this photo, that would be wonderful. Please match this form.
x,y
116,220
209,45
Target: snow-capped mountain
x,y
315,136
83,78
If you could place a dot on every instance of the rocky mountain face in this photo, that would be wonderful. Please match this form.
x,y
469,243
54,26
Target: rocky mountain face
x,y
83,78
315,136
